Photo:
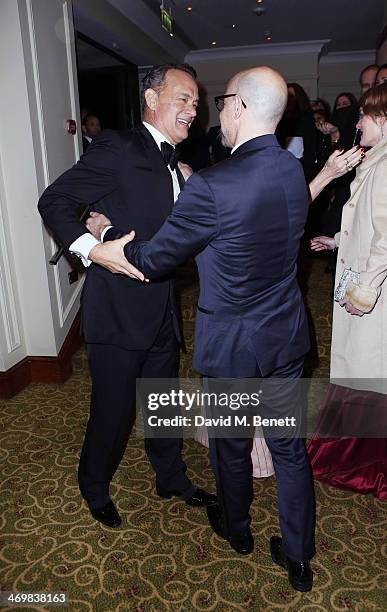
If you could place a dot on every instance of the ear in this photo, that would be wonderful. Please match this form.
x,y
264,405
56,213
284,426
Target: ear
x,y
151,99
237,107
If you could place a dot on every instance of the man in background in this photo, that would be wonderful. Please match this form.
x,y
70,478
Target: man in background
x,y
91,127
367,77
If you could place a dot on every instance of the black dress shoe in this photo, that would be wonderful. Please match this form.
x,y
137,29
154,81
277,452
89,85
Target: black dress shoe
x,y
242,543
201,498
299,572
198,499
107,515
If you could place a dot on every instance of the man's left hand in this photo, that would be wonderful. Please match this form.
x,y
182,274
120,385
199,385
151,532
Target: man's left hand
x,y
351,309
185,169
96,223
110,255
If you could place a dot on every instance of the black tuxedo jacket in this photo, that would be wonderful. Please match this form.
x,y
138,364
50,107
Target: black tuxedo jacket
x,y
122,175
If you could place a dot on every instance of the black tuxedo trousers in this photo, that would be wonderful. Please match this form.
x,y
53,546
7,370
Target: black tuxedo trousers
x,y
129,329
114,371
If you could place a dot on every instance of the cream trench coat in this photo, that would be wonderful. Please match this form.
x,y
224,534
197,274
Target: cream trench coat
x,y
359,344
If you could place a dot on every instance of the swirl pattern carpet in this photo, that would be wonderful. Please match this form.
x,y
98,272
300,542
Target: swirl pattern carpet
x,y
165,557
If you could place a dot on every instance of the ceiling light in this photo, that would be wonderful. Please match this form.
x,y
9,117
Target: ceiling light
x,y
259,10
268,35
171,34
189,8
213,42
259,1
234,25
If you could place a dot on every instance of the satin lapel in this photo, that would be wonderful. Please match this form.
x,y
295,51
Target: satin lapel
x,y
161,177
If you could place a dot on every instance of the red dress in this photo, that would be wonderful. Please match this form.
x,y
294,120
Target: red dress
x,y
353,463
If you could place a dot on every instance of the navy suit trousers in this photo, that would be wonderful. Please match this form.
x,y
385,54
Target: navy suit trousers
x,y
231,462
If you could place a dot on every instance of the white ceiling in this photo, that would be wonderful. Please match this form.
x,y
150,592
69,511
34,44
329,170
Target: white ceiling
x,y
350,24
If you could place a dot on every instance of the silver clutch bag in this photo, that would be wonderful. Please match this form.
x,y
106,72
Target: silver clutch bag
x,y
347,275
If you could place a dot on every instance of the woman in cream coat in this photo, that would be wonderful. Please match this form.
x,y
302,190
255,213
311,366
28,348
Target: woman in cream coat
x,y
359,334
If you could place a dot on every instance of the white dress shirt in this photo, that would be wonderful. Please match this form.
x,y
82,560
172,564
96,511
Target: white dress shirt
x,y
82,246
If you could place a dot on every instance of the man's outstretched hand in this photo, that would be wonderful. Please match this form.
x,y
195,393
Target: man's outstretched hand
x,y
110,255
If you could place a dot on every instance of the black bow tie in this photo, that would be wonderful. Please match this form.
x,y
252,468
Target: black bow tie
x,y
169,154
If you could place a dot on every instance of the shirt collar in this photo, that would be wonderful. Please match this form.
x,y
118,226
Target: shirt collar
x,y
157,135
239,145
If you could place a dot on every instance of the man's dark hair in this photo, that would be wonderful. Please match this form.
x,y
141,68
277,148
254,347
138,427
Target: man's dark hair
x,y
155,78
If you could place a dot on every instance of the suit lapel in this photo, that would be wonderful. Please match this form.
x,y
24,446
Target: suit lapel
x,y
161,176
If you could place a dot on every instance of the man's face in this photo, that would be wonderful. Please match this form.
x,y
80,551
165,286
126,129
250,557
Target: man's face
x,y
174,105
228,125
367,79
92,127
381,76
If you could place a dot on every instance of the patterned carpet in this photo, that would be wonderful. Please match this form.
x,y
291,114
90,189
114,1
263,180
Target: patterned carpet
x,y
165,557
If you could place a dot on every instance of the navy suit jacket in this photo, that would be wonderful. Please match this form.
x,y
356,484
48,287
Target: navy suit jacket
x,y
243,220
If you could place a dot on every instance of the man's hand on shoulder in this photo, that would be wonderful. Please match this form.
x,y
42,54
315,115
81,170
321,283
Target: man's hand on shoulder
x,y
110,255
186,170
96,223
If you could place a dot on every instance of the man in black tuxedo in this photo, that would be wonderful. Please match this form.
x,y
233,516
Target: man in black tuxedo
x,y
243,219
130,328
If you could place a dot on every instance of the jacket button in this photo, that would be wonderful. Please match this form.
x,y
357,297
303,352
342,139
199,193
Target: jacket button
x,y
351,204
345,232
342,260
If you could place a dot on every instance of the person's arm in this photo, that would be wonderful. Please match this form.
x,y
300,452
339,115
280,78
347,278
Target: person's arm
x,y
91,179
101,227
364,295
329,129
337,164
187,231
324,243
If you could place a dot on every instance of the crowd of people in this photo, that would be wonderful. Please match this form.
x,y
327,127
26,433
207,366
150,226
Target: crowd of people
x,y
242,219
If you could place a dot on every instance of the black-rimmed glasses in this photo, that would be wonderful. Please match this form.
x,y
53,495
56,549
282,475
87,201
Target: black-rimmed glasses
x,y
219,101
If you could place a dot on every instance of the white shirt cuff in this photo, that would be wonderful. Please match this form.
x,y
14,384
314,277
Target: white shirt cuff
x,y
104,232
82,246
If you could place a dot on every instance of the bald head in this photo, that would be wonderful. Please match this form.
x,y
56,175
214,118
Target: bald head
x,y
265,93
258,107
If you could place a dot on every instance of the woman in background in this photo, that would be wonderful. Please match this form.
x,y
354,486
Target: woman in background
x,y
359,333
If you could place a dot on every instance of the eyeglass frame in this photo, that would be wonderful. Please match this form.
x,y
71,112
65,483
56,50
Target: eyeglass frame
x,y
222,98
